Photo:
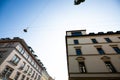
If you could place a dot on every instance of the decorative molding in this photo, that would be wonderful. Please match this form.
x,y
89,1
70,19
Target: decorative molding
x,y
80,58
105,58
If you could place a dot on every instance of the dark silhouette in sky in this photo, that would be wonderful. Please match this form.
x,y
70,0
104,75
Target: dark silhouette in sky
x,y
77,2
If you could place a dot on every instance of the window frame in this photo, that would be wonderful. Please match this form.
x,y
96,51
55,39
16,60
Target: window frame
x,y
17,76
7,70
100,50
15,59
82,67
110,66
76,33
116,49
108,40
94,40
76,41
78,51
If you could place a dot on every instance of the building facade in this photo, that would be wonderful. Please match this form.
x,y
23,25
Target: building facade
x,y
18,61
93,56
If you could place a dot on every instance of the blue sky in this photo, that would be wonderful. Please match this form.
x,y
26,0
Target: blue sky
x,y
48,20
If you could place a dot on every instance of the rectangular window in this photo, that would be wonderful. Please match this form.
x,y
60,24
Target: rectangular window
x,y
29,59
109,66
33,74
117,49
36,76
82,67
94,40
27,69
23,77
27,78
17,76
39,77
100,50
76,33
15,59
108,40
78,52
23,65
21,50
76,42
30,72
7,72
26,55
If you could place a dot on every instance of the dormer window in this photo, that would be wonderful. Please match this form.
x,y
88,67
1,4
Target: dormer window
x,y
76,33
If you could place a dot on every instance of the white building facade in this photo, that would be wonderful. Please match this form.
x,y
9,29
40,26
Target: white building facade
x,y
18,61
93,56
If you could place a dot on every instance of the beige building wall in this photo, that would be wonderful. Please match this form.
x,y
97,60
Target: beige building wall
x,y
94,62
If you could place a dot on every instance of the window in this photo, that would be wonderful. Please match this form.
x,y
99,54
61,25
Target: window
x,y
33,74
110,66
17,76
30,71
15,59
82,67
23,77
21,50
7,72
30,59
27,78
36,76
39,77
27,69
108,40
76,42
78,52
94,40
26,55
23,65
76,33
100,50
32,62
116,49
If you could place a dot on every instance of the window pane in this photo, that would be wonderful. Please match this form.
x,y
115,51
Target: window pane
x,y
108,40
15,59
82,67
94,40
116,49
78,52
110,66
100,50
7,72
23,77
76,33
76,42
17,76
